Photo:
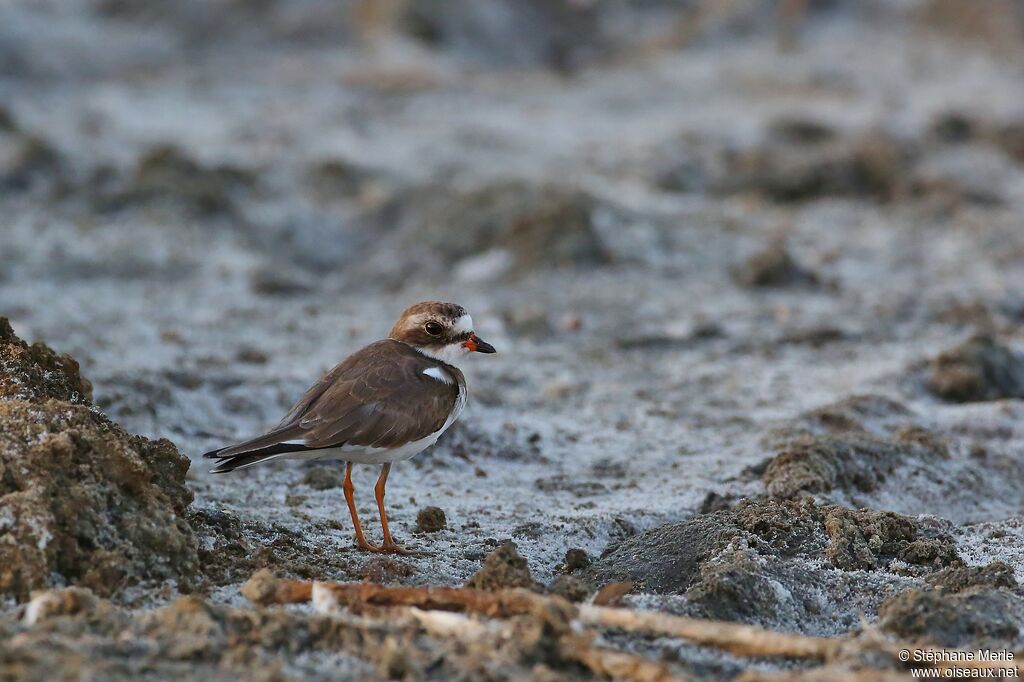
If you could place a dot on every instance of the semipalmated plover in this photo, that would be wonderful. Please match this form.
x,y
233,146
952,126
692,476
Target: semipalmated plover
x,y
382,404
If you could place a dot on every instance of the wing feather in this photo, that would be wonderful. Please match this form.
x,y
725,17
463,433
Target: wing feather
x,y
378,397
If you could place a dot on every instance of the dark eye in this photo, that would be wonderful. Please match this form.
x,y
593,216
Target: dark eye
x,y
433,328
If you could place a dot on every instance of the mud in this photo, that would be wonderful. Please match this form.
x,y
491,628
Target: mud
x,y
769,561
752,273
979,369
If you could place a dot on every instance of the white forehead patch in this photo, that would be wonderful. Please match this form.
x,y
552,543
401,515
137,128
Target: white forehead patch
x,y
439,374
463,324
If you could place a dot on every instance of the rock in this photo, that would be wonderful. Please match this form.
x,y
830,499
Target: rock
x,y
762,561
84,502
503,568
559,34
871,166
866,540
251,356
431,520
667,559
81,501
774,267
274,282
30,161
978,617
36,373
820,464
538,226
793,130
575,560
336,179
324,477
960,578
979,369
166,174
851,445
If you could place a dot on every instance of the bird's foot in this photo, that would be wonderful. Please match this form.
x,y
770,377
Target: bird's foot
x,y
367,546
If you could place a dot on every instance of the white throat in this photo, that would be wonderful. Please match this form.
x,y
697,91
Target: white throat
x,y
451,354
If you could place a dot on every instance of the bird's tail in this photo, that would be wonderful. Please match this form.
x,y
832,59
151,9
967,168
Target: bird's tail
x,y
239,460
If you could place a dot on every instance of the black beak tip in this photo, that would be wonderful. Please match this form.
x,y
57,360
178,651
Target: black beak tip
x,y
484,347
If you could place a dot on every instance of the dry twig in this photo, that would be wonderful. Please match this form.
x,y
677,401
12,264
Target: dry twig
x,y
438,610
356,596
743,640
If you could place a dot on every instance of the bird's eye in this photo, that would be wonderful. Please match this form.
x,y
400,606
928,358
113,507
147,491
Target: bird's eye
x,y
433,328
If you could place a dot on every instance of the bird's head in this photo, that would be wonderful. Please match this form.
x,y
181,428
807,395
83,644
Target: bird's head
x,y
443,331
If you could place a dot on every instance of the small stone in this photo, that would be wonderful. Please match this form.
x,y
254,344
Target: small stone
x,y
251,356
575,559
431,520
504,567
980,369
774,267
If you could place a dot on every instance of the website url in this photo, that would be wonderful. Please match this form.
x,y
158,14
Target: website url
x,y
964,673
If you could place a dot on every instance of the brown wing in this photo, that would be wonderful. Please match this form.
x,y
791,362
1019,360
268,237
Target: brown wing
x,y
377,397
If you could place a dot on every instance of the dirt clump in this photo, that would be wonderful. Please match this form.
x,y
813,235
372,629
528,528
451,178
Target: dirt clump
x,y
977,616
505,228
774,267
960,578
430,520
769,561
851,445
86,503
503,568
82,502
786,170
576,559
167,174
557,34
866,539
979,369
29,162
36,373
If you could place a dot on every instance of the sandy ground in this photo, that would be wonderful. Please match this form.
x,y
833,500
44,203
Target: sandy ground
x,y
628,386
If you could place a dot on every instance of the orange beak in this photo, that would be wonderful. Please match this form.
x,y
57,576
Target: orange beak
x,y
477,345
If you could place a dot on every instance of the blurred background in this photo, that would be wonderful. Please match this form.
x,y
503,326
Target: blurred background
x,y
680,221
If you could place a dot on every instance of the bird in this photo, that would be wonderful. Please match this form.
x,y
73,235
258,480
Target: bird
x,y
385,403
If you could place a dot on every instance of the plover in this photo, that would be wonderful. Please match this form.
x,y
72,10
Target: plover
x,y
384,403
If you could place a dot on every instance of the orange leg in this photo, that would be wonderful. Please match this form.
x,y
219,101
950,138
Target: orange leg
x,y
378,491
389,545
350,498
